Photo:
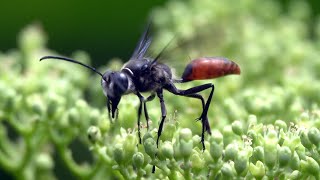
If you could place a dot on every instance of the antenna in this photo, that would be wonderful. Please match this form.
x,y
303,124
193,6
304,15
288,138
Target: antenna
x,y
73,61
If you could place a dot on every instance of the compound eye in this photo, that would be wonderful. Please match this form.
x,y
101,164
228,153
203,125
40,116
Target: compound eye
x,y
144,67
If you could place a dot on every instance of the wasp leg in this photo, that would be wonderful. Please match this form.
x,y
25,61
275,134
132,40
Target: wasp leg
x,y
192,92
141,98
163,114
150,98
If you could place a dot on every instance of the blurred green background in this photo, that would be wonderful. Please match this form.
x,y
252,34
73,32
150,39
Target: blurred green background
x,y
111,29
103,29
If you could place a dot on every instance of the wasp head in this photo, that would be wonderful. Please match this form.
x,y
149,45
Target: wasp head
x,y
114,85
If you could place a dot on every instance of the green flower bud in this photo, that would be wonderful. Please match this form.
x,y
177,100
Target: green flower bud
x,y
281,125
170,129
314,136
231,152
166,150
310,166
270,149
54,104
104,124
305,140
9,104
227,170
241,163
147,136
94,134
295,161
186,148
32,38
258,170
228,135
237,128
252,120
185,134
74,117
295,175
304,116
216,136
216,150
118,154
197,162
150,147
44,161
253,135
138,160
258,153
94,116
284,156
129,145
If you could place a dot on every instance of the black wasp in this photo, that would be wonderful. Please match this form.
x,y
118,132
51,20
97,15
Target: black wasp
x,y
145,74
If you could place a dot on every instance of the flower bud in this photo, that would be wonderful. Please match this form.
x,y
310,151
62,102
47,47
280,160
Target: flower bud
x,y
166,150
228,135
94,134
118,154
258,153
170,129
270,149
216,150
241,163
257,170
295,175
314,136
150,147
310,166
138,160
216,136
305,140
284,156
227,171
237,128
295,161
197,162
252,120
129,145
185,134
281,125
186,148
73,116
44,161
231,152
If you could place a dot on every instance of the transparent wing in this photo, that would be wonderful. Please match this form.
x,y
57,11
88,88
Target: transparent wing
x,y
143,44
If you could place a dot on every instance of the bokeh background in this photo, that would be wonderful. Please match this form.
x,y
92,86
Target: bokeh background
x,y
275,42
103,29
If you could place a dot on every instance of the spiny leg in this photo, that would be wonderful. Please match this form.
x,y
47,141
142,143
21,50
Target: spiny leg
x,y
192,92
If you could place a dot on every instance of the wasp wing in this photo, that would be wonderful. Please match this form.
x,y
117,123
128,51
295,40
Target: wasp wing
x,y
143,44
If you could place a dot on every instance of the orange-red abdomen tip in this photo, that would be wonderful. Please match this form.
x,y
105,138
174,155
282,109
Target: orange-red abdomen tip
x,y
209,68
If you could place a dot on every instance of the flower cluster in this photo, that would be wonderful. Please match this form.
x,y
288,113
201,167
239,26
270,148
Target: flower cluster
x,y
265,123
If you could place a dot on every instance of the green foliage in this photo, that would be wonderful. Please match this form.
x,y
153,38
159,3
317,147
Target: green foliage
x,y
265,123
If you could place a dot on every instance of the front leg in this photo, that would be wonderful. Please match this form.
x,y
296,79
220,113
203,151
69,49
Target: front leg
x,y
141,98
163,114
150,98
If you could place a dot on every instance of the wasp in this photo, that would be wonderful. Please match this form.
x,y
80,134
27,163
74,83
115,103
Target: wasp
x,y
146,74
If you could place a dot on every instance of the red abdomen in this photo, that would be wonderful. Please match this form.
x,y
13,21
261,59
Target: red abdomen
x,y
209,68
